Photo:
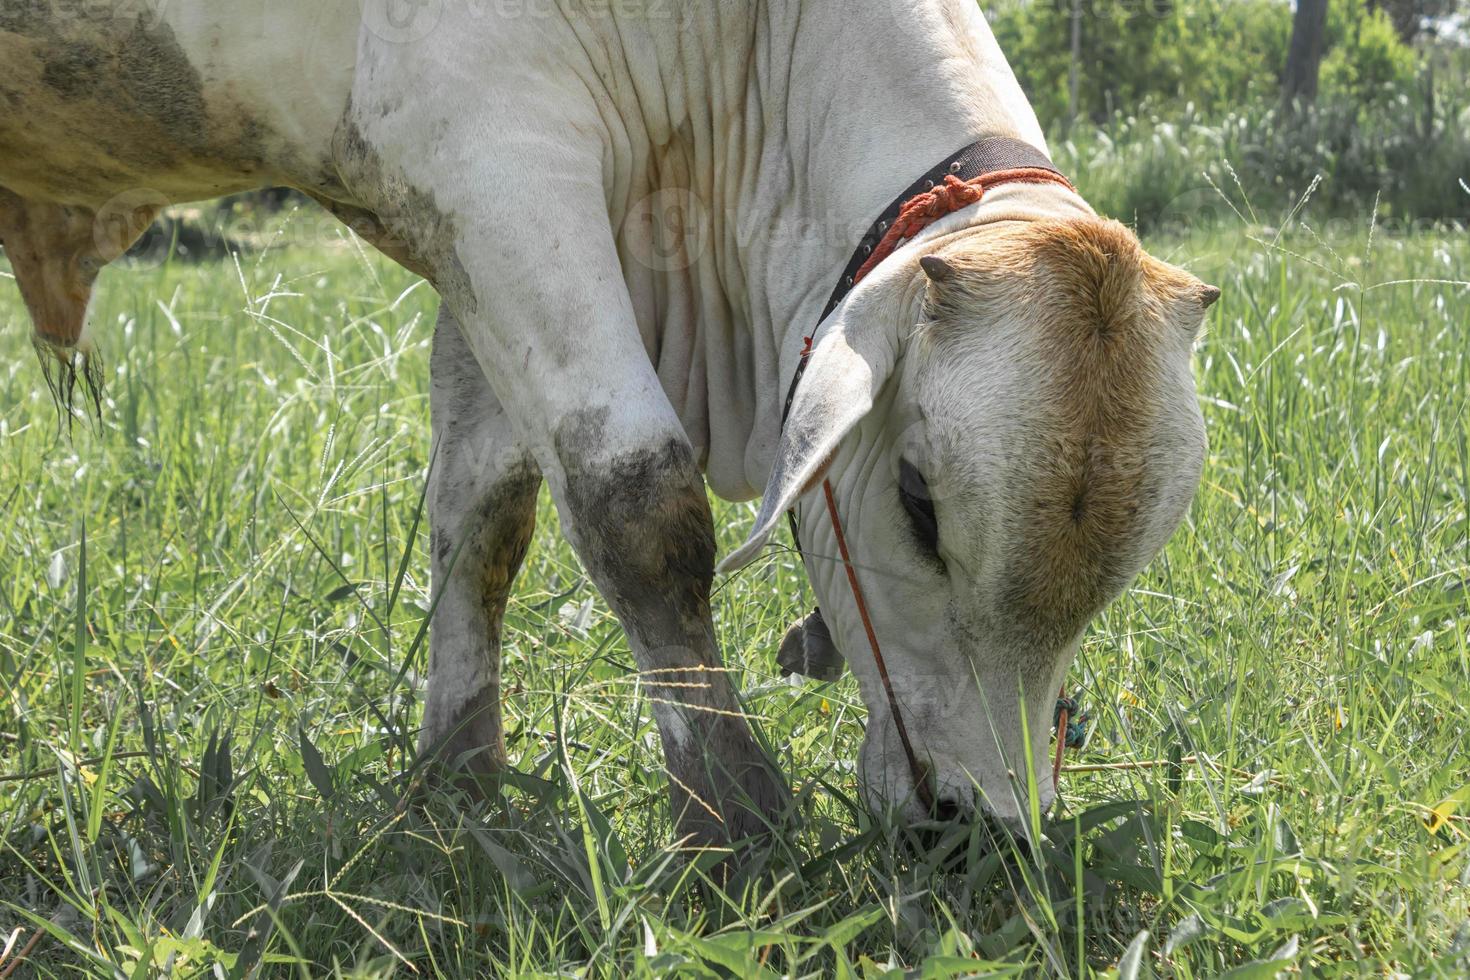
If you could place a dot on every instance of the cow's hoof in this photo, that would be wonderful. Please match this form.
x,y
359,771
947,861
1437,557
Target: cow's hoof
x,y
740,808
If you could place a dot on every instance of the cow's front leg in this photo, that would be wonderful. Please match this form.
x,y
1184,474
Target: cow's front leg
x,y
482,511
510,214
640,521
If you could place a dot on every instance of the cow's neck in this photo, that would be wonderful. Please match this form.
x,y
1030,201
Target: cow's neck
x,y
857,100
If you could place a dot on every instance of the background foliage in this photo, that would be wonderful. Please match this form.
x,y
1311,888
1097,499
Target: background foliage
x,y
1173,90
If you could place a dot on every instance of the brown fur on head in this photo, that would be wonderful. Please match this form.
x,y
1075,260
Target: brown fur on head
x,y
1103,315
56,252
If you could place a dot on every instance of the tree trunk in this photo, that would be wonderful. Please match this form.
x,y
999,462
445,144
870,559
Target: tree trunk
x,y
1304,57
1428,133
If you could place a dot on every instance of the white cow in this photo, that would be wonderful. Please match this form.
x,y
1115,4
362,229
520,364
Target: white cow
x,y
634,211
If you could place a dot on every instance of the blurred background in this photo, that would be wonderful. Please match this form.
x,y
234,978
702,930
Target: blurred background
x,y
1148,99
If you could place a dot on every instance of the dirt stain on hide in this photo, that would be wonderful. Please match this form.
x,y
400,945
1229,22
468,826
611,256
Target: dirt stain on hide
x,y
399,219
483,555
101,99
650,524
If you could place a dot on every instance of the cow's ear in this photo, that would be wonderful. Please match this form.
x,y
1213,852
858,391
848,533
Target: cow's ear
x,y
847,368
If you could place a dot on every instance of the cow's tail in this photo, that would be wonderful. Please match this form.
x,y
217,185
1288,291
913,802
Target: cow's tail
x,y
68,370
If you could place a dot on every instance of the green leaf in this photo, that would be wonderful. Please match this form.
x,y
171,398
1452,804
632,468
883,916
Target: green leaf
x,y
509,866
1189,929
840,934
612,845
1291,913
1200,833
104,776
734,952
1108,812
342,592
1134,963
1267,969
79,649
948,967
1283,836
317,770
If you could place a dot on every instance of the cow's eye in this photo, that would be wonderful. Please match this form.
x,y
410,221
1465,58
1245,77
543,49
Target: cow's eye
x,y
918,503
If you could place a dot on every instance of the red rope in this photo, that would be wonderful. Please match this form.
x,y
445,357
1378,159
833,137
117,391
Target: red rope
x,y
1063,716
916,769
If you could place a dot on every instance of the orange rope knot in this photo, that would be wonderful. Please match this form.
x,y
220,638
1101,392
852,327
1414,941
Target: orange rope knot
x,y
947,197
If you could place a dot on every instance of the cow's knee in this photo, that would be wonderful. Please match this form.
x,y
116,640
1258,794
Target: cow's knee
x,y
641,522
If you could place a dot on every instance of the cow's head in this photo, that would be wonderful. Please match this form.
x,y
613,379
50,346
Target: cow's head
x,y
1008,420
56,252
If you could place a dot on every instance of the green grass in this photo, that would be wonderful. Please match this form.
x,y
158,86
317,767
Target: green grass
x,y
210,642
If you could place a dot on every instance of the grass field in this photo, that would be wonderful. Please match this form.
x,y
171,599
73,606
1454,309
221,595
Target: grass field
x,y
211,644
